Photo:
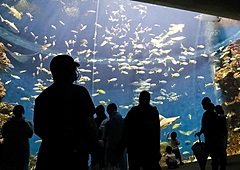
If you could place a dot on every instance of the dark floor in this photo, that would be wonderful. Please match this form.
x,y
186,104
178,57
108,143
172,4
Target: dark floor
x,y
233,164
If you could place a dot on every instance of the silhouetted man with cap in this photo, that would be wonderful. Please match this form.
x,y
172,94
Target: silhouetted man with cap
x,y
63,119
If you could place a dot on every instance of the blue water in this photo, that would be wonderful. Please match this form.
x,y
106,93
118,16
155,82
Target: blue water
x,y
125,25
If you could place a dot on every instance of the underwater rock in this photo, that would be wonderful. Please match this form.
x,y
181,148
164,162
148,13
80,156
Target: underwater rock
x,y
227,75
2,91
5,108
3,119
25,7
4,61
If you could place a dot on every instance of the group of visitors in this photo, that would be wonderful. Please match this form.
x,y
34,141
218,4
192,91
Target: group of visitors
x,y
138,135
64,120
214,128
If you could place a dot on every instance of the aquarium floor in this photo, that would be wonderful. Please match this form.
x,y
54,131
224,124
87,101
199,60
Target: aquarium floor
x,y
233,164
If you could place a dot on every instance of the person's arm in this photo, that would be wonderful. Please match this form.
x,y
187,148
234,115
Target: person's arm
x,y
106,131
38,119
177,142
91,126
29,129
167,136
88,103
202,128
199,133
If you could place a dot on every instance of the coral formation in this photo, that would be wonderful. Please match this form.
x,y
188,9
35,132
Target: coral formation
x,y
227,75
5,108
4,61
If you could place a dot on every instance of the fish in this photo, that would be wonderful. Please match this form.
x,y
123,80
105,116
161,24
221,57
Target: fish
x,y
25,98
7,82
175,74
176,125
186,152
162,81
13,11
204,55
15,76
165,122
174,28
103,102
45,46
23,58
11,25
100,91
21,88
14,39
192,61
187,142
187,133
190,116
178,38
38,141
200,77
29,15
112,79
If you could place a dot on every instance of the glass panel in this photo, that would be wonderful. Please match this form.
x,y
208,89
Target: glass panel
x,y
124,47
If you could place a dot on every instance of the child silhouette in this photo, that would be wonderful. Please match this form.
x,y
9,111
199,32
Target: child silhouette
x,y
174,144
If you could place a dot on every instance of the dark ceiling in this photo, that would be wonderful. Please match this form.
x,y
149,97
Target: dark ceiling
x,y
221,8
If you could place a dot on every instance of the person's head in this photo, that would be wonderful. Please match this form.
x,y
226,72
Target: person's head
x,y
219,109
144,97
173,135
206,102
100,110
111,108
169,149
64,69
18,110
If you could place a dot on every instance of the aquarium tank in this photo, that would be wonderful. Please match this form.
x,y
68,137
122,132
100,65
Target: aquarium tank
x,y
124,47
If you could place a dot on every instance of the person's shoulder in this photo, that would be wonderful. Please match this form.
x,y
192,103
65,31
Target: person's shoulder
x,y
9,121
45,92
154,110
154,107
79,88
134,109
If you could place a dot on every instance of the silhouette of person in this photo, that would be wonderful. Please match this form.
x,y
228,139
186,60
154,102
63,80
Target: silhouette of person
x,y
142,135
112,135
171,159
100,116
174,144
16,148
63,119
223,137
212,134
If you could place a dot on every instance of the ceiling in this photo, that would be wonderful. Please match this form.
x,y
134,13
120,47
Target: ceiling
x,y
221,8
